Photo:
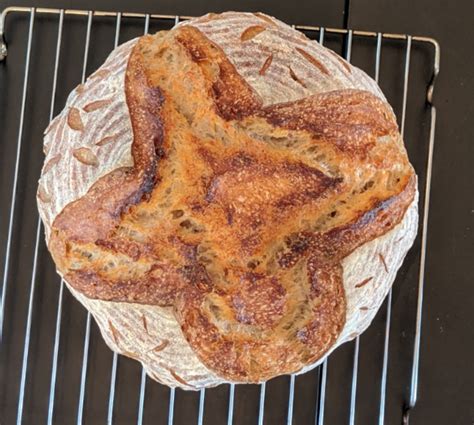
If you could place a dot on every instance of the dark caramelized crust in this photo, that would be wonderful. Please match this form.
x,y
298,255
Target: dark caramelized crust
x,y
236,213
350,119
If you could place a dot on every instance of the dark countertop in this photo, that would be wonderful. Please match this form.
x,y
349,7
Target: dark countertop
x,y
446,388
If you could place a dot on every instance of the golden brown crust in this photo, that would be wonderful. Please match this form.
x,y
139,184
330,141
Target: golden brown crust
x,y
350,119
233,97
83,220
235,213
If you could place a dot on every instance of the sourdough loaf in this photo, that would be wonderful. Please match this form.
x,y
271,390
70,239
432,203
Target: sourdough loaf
x,y
229,199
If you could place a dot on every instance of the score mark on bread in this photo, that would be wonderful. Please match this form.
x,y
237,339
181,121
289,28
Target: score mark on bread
x,y
251,32
86,156
74,119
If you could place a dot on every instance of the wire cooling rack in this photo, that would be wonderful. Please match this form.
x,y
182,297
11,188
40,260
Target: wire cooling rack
x,y
54,368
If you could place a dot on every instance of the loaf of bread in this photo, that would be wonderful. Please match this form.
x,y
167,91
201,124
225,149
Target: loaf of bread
x,y
229,199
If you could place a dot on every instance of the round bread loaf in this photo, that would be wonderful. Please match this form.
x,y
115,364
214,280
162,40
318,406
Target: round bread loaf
x,y
229,199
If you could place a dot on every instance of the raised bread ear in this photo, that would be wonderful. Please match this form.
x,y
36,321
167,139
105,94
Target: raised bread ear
x,y
239,213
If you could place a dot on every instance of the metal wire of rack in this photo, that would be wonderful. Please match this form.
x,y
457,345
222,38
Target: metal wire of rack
x,y
319,419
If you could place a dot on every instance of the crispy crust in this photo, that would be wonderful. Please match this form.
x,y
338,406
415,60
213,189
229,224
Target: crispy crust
x,y
270,299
